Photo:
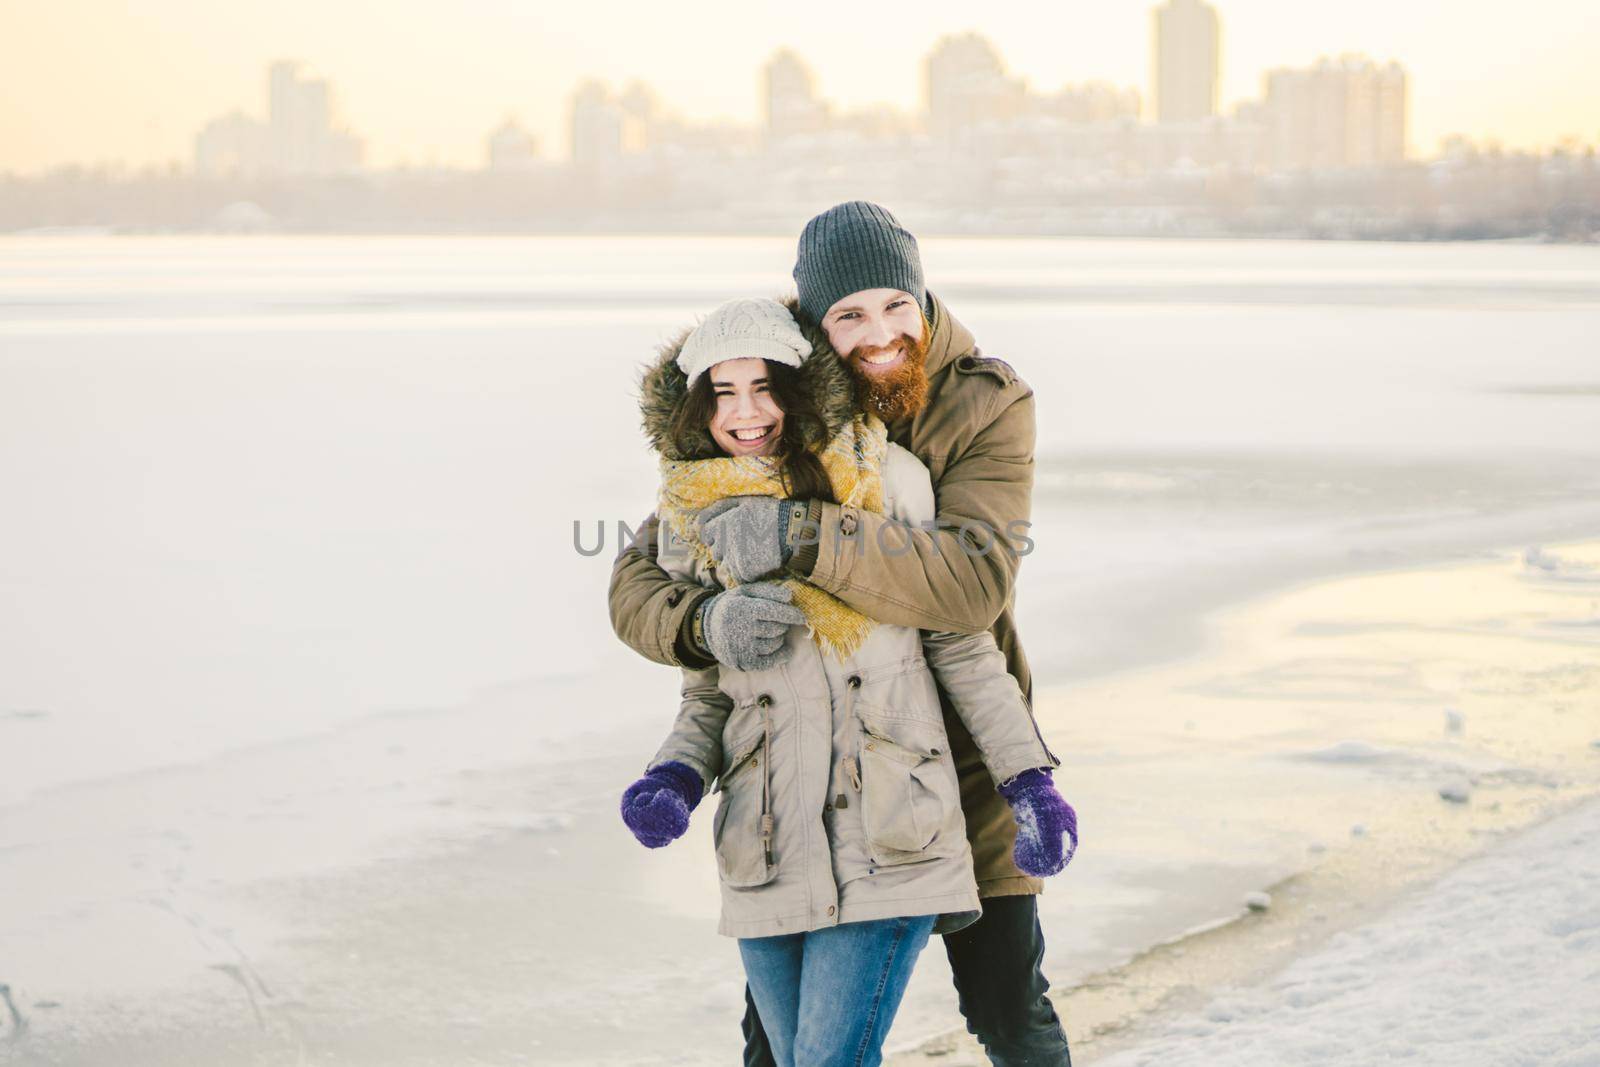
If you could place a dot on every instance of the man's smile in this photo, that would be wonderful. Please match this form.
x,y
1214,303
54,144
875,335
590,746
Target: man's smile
x,y
882,360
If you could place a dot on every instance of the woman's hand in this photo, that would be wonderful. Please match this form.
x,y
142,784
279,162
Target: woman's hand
x,y
745,627
1047,827
657,806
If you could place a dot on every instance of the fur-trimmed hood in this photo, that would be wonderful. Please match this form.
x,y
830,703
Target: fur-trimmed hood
x,y
663,388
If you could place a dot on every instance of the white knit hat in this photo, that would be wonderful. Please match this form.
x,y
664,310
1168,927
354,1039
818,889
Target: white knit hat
x,y
747,328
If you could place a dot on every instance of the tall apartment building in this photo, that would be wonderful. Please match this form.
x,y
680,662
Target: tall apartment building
x,y
790,104
1187,61
965,83
298,137
1345,112
511,147
300,124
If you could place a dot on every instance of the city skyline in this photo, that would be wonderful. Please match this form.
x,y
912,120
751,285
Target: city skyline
x,y
451,128
1341,112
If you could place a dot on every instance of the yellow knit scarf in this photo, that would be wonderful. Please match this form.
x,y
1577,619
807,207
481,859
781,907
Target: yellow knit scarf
x,y
854,462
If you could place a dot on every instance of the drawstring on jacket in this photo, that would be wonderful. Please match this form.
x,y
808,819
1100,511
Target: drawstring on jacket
x,y
851,685
766,782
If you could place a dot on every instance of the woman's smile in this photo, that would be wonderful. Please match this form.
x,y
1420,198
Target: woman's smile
x,y
754,440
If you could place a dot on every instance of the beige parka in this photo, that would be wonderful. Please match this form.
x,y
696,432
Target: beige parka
x,y
975,433
838,794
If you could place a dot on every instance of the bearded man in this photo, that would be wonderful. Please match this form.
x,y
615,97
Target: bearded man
x,y
971,421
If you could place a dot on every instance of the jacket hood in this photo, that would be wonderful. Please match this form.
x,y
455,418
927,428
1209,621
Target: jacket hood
x,y
663,390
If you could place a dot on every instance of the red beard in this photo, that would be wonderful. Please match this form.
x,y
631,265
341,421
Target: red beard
x,y
899,393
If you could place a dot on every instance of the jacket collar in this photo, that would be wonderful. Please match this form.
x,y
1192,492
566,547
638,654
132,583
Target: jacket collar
x,y
950,340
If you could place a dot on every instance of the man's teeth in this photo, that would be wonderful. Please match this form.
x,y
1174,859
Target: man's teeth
x,y
752,435
881,357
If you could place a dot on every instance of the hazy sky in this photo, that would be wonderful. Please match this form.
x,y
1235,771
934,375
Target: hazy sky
x,y
96,80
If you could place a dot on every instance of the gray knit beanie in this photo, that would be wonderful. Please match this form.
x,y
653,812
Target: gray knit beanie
x,y
854,246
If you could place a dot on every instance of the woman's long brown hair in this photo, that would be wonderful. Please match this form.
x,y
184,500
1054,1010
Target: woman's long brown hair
x,y
804,431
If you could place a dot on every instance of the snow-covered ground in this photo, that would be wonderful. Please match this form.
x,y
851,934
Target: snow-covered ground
x,y
1496,963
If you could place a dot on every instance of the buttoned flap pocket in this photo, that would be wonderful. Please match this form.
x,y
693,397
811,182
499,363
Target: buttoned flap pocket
x,y
901,690
907,791
738,756
742,734
736,831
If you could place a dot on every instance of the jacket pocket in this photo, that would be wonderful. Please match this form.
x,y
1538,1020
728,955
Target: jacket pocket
x,y
901,690
907,792
736,830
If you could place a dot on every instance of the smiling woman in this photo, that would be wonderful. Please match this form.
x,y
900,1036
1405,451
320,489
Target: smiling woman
x,y
745,391
748,421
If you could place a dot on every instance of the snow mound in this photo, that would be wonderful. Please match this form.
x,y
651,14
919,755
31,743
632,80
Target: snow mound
x,y
1349,752
1494,963
1547,565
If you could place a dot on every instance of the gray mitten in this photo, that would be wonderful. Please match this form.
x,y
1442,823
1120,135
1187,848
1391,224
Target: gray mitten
x,y
744,627
745,535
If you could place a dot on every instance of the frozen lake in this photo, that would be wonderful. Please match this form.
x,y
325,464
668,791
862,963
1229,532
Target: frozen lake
x,y
298,513
259,487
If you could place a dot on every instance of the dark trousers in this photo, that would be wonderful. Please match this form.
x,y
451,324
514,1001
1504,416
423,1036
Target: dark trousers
x,y
996,966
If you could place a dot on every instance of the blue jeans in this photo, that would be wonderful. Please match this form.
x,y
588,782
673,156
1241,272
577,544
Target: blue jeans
x,y
827,997
996,965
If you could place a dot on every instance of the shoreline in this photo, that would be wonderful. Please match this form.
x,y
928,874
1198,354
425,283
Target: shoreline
x,y
785,232
1121,1009
1406,835
1440,977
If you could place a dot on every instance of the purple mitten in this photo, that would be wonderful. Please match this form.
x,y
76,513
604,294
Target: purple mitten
x,y
657,806
1043,820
